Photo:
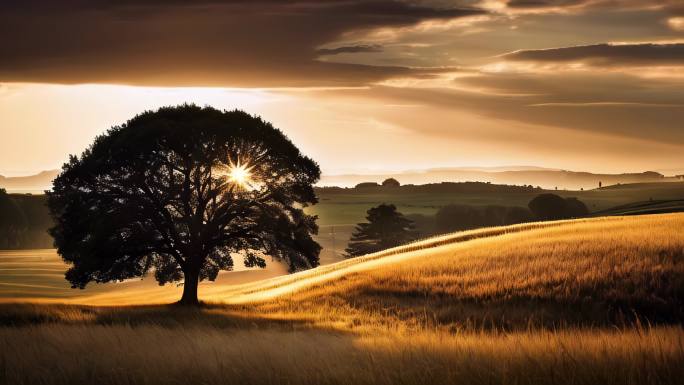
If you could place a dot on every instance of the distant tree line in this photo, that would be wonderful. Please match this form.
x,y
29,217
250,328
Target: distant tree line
x,y
443,187
24,221
386,227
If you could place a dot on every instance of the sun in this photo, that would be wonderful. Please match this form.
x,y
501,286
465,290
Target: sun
x,y
239,174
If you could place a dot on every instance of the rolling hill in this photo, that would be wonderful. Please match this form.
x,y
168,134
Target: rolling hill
x,y
589,270
535,176
546,178
570,302
33,184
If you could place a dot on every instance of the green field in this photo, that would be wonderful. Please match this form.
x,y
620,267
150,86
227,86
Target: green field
x,y
348,206
340,209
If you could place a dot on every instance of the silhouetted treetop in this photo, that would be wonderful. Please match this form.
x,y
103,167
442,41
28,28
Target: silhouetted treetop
x,y
390,182
553,207
181,191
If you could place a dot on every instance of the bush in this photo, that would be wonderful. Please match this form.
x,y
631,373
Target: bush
x,y
552,207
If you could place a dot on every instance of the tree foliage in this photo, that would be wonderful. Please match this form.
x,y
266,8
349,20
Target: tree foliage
x,y
12,222
390,182
553,207
386,228
157,194
457,217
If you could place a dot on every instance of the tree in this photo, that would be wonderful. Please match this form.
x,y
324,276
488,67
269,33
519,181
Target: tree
x,y
180,192
518,215
390,182
458,217
575,208
12,222
552,207
386,227
548,207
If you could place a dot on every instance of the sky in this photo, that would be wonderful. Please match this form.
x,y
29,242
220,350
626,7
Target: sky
x,y
359,85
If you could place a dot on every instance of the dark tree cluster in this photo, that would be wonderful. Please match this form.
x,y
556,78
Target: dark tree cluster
x,y
436,188
548,207
24,220
463,217
386,228
390,182
162,194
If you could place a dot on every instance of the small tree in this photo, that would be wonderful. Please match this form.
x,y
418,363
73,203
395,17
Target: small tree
x,y
390,182
180,192
548,207
551,207
386,227
575,208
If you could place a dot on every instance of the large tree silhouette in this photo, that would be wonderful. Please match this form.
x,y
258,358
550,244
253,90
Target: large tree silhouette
x,y
181,191
386,227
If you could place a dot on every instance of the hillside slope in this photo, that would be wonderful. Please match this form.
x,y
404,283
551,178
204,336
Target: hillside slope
x,y
554,303
599,271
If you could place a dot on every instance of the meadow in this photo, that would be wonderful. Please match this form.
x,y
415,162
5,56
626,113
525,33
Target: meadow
x,y
570,302
340,209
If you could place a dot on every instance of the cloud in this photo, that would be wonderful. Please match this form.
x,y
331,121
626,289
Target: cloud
x,y
350,49
617,105
609,54
676,23
258,43
543,3
581,6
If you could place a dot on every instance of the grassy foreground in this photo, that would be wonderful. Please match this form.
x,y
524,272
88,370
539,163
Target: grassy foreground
x,y
596,301
63,354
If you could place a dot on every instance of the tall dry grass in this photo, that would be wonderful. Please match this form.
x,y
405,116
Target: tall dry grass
x,y
72,355
563,303
585,273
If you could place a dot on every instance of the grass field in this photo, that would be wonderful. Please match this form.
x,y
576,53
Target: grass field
x,y
339,211
594,301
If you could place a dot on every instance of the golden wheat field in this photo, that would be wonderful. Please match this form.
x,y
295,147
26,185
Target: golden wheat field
x,y
594,301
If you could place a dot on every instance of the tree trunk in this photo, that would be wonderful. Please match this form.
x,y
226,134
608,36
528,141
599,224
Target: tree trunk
x,y
190,289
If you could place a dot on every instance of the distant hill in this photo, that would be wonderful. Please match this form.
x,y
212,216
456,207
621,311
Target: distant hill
x,y
545,178
29,184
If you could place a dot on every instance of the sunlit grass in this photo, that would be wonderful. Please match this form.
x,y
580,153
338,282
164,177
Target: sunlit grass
x,y
63,354
595,301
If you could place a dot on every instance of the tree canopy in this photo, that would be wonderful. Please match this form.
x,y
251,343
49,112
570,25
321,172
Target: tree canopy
x,y
390,182
12,222
386,227
182,191
552,207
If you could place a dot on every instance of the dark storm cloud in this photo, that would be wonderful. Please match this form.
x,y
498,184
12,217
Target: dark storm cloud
x,y
350,49
623,54
230,43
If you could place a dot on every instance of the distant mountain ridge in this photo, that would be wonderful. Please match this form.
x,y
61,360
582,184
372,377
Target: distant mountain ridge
x,y
547,178
523,175
32,183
